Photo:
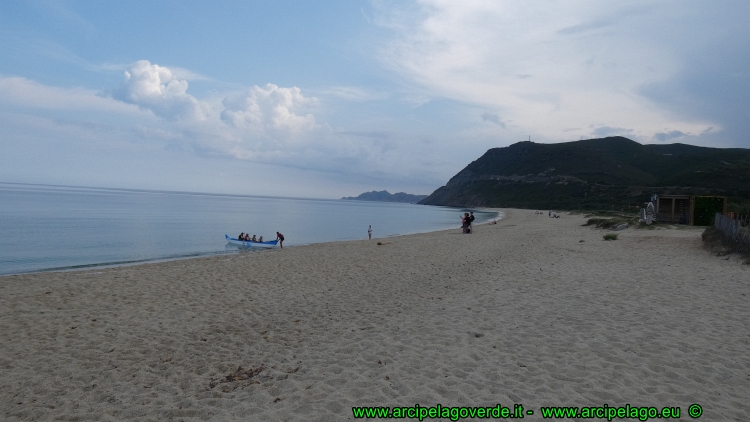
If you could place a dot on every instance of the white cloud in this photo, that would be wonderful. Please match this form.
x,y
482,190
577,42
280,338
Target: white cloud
x,y
264,124
548,66
270,124
156,88
269,110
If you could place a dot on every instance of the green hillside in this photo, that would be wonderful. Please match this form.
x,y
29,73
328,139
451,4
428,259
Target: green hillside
x,y
602,173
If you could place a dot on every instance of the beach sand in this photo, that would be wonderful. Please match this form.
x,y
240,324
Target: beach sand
x,y
533,310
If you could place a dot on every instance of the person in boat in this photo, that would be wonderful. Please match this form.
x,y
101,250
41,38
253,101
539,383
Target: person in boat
x,y
253,239
247,237
280,238
260,239
241,236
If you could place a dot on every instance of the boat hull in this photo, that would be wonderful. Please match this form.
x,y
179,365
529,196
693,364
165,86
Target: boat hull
x,y
247,244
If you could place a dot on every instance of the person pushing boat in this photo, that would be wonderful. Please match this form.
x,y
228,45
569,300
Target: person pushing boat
x,y
280,238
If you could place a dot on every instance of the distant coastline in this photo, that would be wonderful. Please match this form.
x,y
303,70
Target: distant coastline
x,y
385,196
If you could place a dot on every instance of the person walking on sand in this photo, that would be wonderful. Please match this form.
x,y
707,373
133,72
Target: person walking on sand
x,y
369,232
471,222
280,238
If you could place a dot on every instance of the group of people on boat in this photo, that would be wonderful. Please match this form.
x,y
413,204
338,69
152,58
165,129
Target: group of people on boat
x,y
246,237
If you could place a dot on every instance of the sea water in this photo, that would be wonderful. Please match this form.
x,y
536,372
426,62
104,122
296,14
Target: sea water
x,y
55,227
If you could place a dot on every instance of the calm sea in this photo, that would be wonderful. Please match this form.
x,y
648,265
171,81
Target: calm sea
x,y
53,228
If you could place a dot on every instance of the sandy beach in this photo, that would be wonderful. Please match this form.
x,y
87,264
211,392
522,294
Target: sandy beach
x,y
532,311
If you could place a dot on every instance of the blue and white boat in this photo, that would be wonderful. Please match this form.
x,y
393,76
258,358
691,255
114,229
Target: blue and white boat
x,y
251,244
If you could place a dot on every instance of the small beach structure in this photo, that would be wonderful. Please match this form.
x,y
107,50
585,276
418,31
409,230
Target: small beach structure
x,y
674,209
688,209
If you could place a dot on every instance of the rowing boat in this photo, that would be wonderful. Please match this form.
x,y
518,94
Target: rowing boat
x,y
250,244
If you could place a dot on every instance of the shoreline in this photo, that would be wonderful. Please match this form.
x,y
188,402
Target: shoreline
x,y
96,266
532,310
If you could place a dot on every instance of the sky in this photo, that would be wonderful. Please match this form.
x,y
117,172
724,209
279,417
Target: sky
x,y
335,98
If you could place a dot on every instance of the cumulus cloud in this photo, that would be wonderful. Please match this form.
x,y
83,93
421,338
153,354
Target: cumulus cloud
x,y
156,88
269,109
263,123
268,123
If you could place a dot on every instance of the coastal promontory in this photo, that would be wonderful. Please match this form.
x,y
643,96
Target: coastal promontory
x,y
603,173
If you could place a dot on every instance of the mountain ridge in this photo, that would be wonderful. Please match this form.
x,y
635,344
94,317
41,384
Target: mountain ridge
x,y
385,196
594,174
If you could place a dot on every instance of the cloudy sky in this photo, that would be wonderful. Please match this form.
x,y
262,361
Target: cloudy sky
x,y
326,99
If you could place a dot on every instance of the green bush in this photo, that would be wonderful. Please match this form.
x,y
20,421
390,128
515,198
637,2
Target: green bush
x,y
705,208
610,236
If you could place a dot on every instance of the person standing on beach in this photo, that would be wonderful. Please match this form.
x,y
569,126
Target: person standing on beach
x,y
471,222
280,238
369,232
465,222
